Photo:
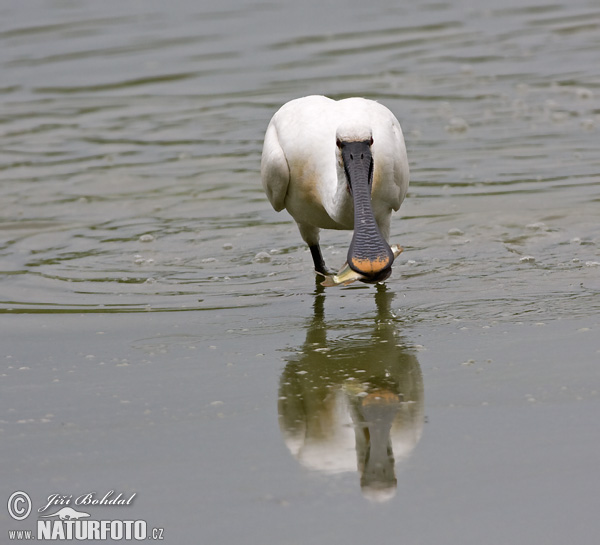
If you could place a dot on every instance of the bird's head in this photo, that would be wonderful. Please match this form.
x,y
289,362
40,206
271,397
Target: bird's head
x,y
369,254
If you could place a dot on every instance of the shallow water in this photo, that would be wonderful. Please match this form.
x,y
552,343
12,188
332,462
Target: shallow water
x,y
162,332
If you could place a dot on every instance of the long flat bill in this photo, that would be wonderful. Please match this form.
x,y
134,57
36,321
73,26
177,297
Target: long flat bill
x,y
346,275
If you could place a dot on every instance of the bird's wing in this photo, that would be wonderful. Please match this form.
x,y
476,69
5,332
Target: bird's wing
x,y
274,169
401,170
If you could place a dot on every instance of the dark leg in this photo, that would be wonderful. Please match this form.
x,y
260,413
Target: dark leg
x,y
315,251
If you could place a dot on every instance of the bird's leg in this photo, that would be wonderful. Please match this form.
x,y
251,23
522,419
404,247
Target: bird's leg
x,y
315,251
310,235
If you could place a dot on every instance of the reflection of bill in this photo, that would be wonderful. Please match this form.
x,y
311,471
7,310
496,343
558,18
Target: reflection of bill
x,y
354,402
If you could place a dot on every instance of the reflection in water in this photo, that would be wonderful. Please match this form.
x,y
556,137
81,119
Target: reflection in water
x,y
354,402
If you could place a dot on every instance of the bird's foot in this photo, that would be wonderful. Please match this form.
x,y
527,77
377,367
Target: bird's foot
x,y
324,271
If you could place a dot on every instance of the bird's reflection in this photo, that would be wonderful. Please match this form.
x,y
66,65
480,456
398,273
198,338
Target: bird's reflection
x,y
353,401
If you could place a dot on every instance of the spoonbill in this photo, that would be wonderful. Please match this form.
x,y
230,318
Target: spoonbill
x,y
338,164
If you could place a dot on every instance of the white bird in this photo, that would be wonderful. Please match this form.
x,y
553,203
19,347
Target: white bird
x,y
338,165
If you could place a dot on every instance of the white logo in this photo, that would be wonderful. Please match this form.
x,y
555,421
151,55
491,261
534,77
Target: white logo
x,y
16,509
70,524
66,513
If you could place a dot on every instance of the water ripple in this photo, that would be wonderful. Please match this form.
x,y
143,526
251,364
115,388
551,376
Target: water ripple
x,y
150,124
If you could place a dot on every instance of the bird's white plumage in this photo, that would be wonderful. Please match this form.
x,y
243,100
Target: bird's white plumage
x,y
302,168
353,132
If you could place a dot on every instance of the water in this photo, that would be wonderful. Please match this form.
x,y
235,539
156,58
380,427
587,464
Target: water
x,y
162,333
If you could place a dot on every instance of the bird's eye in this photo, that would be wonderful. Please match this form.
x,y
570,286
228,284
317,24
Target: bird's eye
x,y
371,141
338,143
